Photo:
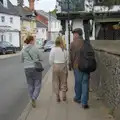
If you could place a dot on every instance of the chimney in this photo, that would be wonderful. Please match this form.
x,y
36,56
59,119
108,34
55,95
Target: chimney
x,y
31,4
20,2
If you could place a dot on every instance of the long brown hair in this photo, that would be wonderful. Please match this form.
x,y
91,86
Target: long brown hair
x,y
29,39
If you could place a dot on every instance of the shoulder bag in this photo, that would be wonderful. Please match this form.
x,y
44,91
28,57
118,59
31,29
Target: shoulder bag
x,y
38,64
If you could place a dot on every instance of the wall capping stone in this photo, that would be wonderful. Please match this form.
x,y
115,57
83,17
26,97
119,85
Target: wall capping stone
x,y
109,46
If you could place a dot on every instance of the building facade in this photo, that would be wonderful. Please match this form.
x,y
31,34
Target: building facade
x,y
9,23
106,22
80,12
54,27
97,21
42,33
28,27
42,17
52,22
27,20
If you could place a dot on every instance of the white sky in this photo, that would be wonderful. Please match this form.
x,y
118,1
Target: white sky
x,y
45,5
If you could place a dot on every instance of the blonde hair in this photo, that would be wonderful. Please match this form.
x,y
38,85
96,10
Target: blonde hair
x,y
59,41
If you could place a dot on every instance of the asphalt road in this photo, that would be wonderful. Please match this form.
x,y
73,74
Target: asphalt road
x,y
13,87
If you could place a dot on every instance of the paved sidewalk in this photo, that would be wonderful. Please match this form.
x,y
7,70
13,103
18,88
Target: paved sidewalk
x,y
9,55
48,109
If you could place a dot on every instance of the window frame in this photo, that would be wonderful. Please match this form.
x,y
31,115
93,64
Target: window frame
x,y
2,1
11,20
2,19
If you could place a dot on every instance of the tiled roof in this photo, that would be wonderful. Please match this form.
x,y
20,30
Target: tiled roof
x,y
41,25
24,12
8,10
45,14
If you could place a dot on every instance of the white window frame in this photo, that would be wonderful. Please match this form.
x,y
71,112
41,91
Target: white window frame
x,y
2,37
11,20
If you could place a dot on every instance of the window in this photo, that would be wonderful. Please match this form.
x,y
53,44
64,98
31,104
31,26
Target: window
x,y
3,19
75,5
100,1
11,20
1,1
2,38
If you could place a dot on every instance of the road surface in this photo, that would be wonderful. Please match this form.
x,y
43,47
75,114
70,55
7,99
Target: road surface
x,y
13,87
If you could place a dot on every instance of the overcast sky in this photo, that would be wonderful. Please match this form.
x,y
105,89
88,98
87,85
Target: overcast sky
x,y
45,5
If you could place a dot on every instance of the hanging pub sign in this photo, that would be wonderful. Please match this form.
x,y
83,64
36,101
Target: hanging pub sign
x,y
75,5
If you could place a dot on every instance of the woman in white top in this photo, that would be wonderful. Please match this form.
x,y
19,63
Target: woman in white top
x,y
58,59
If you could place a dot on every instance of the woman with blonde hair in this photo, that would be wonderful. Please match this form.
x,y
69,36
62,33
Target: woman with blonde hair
x,y
58,59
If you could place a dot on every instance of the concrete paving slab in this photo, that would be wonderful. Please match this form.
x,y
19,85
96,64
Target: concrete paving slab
x,y
49,109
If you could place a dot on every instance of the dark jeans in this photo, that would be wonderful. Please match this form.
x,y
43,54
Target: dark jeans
x,y
81,86
34,79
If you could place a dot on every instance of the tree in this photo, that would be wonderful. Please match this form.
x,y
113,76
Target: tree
x,y
53,12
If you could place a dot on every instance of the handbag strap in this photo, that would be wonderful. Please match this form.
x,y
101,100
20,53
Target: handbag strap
x,y
65,56
28,52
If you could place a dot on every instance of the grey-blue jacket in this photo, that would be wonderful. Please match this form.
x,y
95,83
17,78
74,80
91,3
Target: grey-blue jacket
x,y
34,53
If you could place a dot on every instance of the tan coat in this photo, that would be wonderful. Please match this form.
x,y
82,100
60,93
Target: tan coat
x,y
60,75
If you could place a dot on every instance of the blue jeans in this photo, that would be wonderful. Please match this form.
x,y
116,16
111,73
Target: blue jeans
x,y
34,79
81,86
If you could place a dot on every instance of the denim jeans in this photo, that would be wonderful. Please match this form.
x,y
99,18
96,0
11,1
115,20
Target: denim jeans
x,y
34,82
81,86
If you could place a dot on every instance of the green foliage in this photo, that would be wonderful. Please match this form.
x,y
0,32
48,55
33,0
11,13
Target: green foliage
x,y
111,2
53,12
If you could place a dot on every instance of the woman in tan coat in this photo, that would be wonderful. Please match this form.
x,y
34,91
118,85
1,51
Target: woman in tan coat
x,y
58,59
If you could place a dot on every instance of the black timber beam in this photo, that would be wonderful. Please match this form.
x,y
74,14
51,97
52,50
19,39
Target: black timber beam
x,y
85,16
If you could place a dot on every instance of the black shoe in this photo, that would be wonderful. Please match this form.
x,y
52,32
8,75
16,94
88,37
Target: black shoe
x,y
77,101
85,106
64,99
58,98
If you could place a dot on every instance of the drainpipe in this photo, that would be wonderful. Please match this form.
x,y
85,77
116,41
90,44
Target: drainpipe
x,y
20,40
68,3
